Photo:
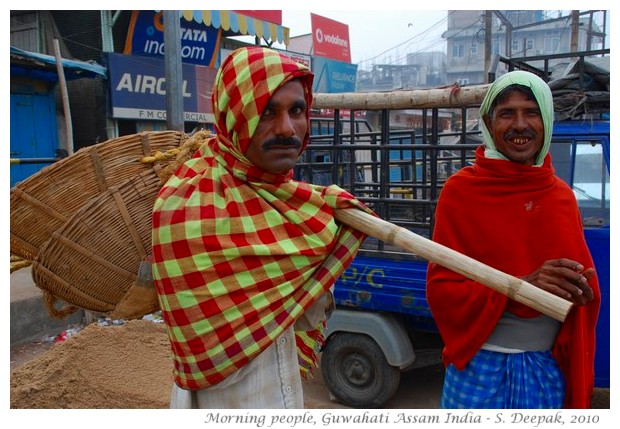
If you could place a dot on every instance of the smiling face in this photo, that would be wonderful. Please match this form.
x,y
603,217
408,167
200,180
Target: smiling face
x,y
516,126
277,141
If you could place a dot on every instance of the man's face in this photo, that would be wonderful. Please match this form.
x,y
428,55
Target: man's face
x,y
276,143
516,127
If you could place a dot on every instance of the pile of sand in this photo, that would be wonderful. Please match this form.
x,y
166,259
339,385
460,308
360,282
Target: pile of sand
x,y
129,366
117,366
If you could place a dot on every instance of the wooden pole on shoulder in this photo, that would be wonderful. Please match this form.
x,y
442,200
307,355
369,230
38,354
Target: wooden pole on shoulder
x,y
513,287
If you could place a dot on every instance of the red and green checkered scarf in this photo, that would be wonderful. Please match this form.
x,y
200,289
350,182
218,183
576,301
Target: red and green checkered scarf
x,y
239,254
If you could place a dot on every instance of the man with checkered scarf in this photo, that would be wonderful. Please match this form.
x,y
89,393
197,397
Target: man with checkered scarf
x,y
245,256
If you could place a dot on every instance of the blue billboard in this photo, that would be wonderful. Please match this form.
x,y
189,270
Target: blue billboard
x,y
333,76
138,89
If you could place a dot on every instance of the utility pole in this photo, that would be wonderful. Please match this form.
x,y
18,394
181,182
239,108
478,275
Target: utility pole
x,y
174,70
508,32
589,33
65,98
574,34
107,45
488,42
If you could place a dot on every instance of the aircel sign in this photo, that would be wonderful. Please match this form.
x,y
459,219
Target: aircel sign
x,y
199,43
138,89
330,38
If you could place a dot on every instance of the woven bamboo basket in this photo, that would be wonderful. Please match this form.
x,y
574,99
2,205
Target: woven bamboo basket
x,y
93,259
46,200
98,259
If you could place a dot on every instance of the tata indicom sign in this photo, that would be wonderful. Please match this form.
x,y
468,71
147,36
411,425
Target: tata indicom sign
x,y
330,38
199,43
138,89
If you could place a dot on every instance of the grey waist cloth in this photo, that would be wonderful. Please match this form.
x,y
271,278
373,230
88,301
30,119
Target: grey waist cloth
x,y
534,334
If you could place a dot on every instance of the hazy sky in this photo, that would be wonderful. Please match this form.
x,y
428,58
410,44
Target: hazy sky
x,y
388,34
385,35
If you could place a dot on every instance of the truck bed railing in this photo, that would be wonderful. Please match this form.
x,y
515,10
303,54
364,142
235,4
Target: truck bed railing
x,y
398,172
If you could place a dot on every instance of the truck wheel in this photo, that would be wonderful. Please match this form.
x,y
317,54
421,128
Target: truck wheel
x,y
356,371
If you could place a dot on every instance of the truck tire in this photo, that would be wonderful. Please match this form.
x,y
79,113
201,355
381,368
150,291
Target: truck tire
x,y
356,371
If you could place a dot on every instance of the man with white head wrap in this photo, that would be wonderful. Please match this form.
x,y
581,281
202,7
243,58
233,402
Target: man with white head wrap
x,y
510,211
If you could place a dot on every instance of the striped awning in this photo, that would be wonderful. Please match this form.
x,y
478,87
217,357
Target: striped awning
x,y
239,23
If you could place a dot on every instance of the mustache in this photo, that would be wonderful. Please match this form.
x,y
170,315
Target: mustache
x,y
511,134
281,141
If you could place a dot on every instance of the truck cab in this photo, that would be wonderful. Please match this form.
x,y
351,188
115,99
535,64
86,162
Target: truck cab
x,y
581,157
382,325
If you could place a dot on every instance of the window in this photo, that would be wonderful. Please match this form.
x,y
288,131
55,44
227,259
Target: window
x,y
458,50
591,180
474,48
529,44
551,44
581,164
515,45
495,48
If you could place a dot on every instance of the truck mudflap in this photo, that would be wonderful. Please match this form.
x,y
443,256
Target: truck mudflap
x,y
384,329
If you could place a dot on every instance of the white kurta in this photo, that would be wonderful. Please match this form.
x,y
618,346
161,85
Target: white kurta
x,y
271,380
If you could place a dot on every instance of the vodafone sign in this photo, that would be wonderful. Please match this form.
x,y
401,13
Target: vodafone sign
x,y
330,38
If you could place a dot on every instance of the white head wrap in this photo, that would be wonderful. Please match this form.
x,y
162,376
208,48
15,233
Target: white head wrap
x,y
544,98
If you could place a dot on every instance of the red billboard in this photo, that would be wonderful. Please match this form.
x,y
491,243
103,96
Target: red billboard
x,y
330,38
274,16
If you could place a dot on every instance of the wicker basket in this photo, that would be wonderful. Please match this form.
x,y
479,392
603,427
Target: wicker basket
x,y
46,200
98,259
93,259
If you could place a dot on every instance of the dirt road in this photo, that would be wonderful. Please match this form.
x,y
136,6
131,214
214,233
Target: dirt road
x,y
42,373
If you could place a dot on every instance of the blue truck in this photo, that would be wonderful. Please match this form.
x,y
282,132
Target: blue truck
x,y
382,325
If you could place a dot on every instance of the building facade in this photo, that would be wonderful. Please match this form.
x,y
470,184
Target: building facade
x,y
128,96
514,34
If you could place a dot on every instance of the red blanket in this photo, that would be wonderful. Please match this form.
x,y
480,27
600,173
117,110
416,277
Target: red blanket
x,y
512,217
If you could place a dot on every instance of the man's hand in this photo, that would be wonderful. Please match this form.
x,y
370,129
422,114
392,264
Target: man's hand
x,y
564,278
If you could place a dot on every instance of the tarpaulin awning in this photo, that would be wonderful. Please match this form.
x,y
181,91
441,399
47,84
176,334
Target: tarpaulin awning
x,y
238,23
46,65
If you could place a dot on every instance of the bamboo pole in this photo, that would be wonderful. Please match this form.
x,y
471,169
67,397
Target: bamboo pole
x,y
65,98
513,287
447,97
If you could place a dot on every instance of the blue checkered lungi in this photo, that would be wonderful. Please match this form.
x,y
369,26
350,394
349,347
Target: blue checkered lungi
x,y
505,380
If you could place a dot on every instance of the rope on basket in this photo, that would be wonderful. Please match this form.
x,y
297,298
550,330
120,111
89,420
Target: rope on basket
x,y
50,305
180,155
17,263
